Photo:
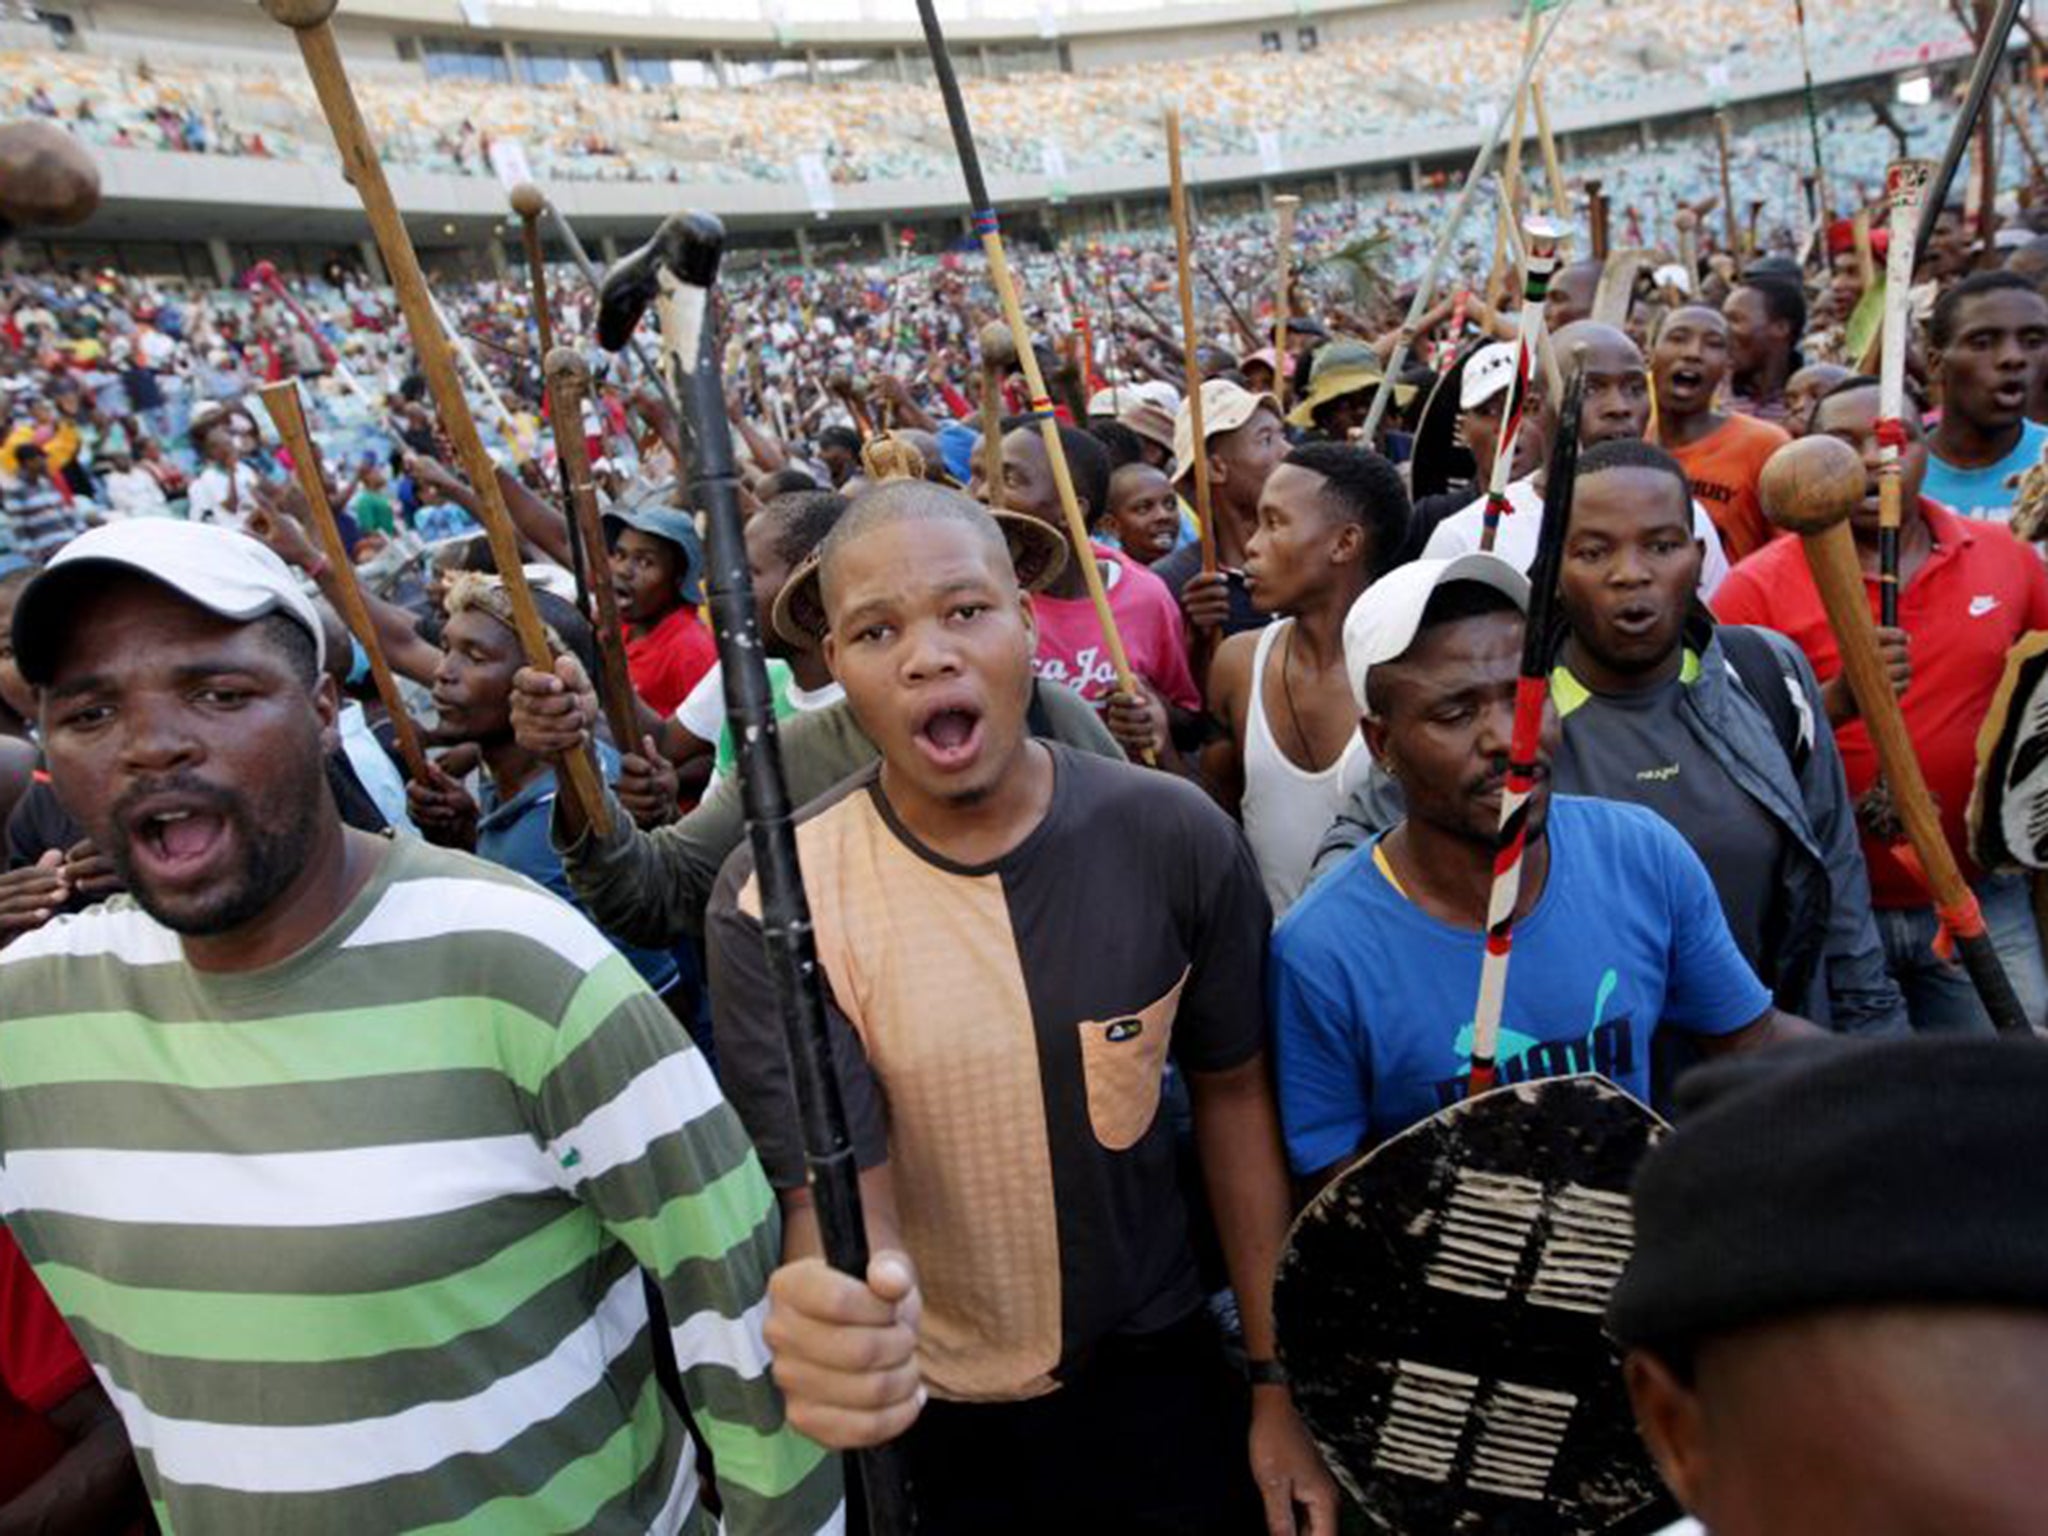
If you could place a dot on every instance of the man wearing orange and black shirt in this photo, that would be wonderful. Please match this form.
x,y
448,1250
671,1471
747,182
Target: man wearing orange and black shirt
x,y
1722,454
1016,938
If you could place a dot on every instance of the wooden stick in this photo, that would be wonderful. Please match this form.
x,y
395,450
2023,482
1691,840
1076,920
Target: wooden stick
x,y
1811,486
990,230
287,413
1728,213
998,352
1191,341
309,21
1596,218
1689,249
1553,168
1905,185
568,386
527,202
1245,329
1284,206
1866,256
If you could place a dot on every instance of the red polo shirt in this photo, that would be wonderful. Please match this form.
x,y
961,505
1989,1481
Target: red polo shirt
x,y
1978,592
666,662
40,1366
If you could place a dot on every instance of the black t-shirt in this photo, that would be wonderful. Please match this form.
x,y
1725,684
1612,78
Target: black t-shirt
x,y
1182,564
1001,1035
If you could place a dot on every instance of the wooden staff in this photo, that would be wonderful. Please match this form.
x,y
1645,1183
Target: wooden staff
x,y
1532,694
1284,207
998,353
288,414
1510,185
1539,261
1811,486
1689,249
1905,184
1553,168
568,386
1728,213
1866,256
1821,210
989,229
1596,218
1190,341
528,202
1749,236
309,21
1447,233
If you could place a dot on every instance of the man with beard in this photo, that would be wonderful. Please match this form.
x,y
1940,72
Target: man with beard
x,y
1988,344
1722,454
1616,405
1766,318
1618,933
340,1154
1013,938
1967,592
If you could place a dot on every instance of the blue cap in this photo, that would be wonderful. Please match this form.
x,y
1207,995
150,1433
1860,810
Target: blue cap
x,y
651,510
956,449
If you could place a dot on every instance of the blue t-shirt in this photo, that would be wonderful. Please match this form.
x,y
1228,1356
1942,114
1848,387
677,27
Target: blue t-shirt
x,y
1372,997
1985,492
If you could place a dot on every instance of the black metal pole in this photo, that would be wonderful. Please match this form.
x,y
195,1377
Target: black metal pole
x,y
786,930
1990,55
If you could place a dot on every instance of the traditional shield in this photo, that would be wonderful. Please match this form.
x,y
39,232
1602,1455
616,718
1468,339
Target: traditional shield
x,y
2009,802
1438,459
1439,1309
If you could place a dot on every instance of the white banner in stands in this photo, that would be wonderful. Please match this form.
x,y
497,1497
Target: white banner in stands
x,y
817,183
508,163
1270,159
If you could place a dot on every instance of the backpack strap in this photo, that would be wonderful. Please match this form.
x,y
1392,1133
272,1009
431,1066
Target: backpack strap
x,y
1770,679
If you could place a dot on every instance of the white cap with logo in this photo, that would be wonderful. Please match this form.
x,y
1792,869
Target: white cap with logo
x,y
225,572
1382,622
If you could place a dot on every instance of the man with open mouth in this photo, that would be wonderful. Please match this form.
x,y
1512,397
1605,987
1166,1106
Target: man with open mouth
x,y
1016,938
1723,453
343,1156
1988,338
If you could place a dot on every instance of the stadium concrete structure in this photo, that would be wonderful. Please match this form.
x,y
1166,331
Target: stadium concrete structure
x,y
209,213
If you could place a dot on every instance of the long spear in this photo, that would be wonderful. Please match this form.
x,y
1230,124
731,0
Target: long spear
x,y
1532,694
1447,234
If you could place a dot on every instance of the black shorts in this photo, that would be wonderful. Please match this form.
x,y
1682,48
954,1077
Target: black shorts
x,y
1150,1437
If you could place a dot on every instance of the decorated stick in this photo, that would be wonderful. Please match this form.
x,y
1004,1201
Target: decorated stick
x,y
309,21
1191,340
568,386
990,230
1532,694
1447,232
1990,55
676,272
288,414
1820,169
1811,486
1284,207
1728,214
1454,334
1905,183
1539,262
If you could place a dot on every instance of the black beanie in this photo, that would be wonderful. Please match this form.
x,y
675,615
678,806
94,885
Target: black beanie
x,y
1841,1174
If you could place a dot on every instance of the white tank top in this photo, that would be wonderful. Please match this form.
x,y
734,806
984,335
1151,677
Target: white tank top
x,y
1286,808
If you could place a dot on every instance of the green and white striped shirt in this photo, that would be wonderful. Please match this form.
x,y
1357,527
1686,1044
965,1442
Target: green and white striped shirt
x,y
354,1241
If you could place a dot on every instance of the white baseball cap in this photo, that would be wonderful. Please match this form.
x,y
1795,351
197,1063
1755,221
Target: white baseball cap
x,y
223,571
1382,622
1487,372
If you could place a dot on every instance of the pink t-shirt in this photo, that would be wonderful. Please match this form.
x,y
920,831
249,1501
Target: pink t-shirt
x,y
1070,648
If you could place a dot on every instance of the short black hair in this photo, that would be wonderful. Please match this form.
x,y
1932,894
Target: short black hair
x,y
294,641
840,437
1783,300
1363,488
1941,325
1862,381
1633,453
1088,465
787,482
1121,444
574,631
801,520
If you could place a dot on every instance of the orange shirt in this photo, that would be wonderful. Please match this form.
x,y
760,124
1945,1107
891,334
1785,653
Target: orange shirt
x,y
1724,467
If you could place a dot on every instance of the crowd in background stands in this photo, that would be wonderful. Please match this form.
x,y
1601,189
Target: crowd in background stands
x,y
866,130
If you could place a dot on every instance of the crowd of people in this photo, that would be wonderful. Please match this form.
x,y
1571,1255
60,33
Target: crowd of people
x,y
398,1121
876,128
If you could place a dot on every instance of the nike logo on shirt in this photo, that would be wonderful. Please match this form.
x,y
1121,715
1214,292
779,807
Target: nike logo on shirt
x,y
1982,604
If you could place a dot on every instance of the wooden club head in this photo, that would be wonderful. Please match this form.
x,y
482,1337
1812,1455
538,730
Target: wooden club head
x,y
299,15
528,201
1811,484
1687,219
998,346
46,176
565,363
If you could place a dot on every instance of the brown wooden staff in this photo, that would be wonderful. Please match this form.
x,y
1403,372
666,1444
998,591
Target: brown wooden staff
x,y
998,352
1728,212
529,204
1810,487
1284,207
288,414
310,23
1191,339
1553,168
568,386
1596,219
